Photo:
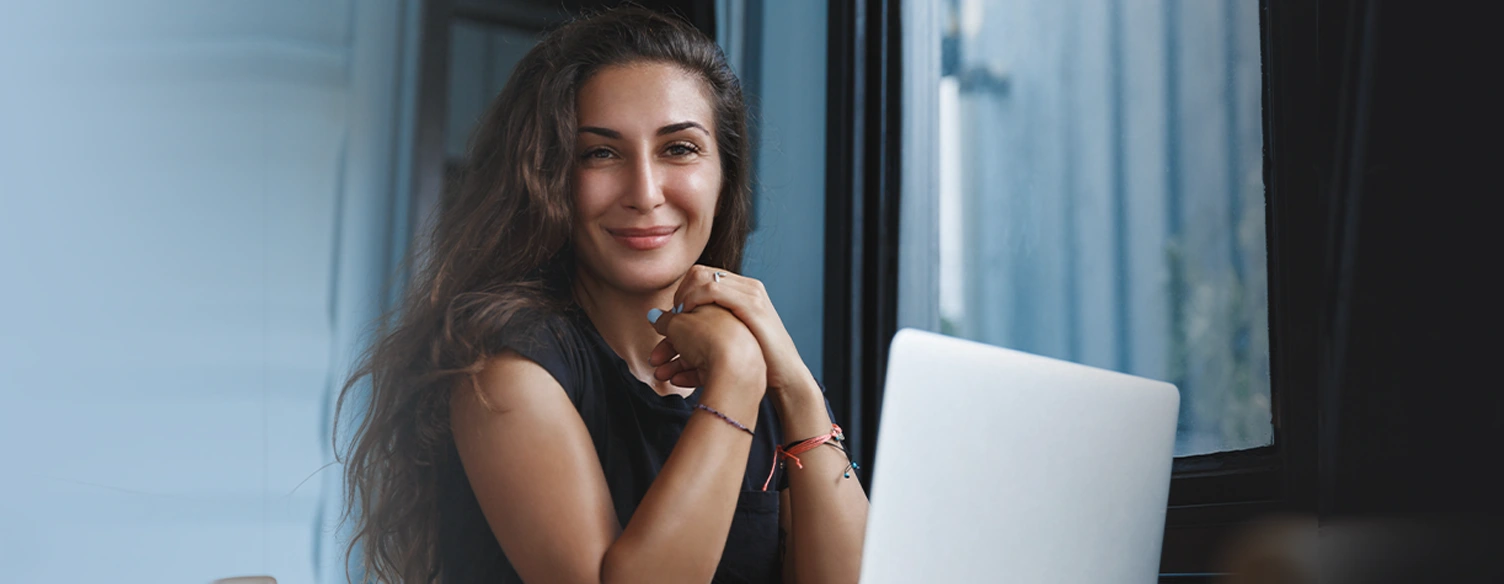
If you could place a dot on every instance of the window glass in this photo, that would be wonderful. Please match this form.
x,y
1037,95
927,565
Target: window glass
x,y
481,58
782,70
1101,196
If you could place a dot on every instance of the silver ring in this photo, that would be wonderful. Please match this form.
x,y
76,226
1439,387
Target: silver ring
x,y
718,276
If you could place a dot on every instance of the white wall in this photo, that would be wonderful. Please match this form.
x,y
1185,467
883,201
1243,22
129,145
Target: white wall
x,y
195,215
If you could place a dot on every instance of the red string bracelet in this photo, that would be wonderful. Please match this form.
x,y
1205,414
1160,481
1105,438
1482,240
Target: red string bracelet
x,y
792,452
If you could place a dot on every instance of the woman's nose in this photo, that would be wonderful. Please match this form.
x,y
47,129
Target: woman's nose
x,y
645,192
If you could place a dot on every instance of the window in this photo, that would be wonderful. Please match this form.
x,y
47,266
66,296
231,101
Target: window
x,y
481,58
1112,156
1101,196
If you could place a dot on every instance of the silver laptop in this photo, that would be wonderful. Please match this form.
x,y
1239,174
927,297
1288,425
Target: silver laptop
x,y
1000,466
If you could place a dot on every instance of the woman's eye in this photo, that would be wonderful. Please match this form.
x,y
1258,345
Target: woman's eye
x,y
682,149
598,154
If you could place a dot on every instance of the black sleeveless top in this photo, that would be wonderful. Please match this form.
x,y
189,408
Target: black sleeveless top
x,y
634,430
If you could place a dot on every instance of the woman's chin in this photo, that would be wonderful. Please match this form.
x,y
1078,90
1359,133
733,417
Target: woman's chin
x,y
649,279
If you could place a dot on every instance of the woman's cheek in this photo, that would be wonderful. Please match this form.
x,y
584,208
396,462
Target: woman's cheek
x,y
588,189
700,186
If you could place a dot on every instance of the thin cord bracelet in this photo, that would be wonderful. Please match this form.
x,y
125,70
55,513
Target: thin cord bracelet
x,y
728,419
793,449
851,465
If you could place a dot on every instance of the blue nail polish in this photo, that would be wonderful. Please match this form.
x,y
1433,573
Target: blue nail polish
x,y
653,315
680,308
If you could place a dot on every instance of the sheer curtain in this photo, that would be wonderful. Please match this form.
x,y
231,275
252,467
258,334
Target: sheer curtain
x,y
1101,197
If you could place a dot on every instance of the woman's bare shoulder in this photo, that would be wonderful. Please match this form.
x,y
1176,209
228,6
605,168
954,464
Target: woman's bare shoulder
x,y
533,468
509,381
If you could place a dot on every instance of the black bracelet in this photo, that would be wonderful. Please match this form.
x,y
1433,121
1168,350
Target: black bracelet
x,y
726,418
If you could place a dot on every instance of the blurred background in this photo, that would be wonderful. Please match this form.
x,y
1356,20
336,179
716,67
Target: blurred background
x,y
204,206
203,203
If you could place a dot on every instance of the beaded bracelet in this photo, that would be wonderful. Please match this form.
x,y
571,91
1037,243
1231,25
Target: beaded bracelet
x,y
726,418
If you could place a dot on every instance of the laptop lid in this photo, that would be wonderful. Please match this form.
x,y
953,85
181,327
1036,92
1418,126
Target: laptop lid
x,y
995,465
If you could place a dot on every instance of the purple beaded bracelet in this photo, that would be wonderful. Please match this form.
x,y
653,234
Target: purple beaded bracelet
x,y
726,418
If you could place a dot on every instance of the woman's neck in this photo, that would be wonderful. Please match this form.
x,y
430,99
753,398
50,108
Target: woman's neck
x,y
621,317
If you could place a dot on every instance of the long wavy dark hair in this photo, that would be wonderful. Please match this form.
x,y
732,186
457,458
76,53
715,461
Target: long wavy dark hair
x,y
498,254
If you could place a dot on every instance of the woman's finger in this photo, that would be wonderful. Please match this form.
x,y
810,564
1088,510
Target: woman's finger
x,y
700,276
737,296
660,319
690,378
668,370
662,353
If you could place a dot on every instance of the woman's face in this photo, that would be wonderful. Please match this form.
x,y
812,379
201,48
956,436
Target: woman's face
x,y
647,177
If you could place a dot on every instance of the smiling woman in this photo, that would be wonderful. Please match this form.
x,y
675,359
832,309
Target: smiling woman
x,y
649,175
525,421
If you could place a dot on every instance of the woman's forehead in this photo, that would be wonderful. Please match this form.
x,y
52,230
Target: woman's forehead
x,y
642,98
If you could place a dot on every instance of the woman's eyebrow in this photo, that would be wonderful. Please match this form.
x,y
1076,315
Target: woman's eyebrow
x,y
664,131
609,133
671,128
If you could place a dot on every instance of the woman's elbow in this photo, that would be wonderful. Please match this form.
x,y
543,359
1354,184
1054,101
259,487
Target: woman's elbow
x,y
628,561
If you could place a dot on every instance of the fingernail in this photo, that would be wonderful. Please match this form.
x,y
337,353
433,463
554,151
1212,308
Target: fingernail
x,y
653,315
680,308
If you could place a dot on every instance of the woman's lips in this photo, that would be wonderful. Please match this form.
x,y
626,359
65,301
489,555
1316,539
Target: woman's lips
x,y
643,239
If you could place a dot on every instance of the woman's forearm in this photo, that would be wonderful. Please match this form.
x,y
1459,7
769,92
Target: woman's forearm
x,y
679,529
829,512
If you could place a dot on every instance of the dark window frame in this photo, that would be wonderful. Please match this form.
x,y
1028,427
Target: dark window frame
x,y
863,115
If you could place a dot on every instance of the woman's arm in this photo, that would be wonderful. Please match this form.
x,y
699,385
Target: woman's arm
x,y
535,473
823,536
827,513
679,530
